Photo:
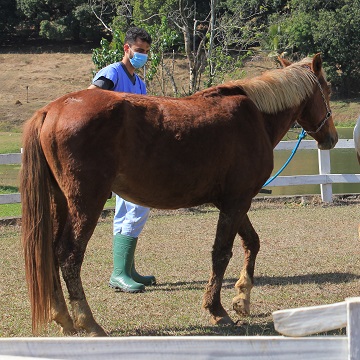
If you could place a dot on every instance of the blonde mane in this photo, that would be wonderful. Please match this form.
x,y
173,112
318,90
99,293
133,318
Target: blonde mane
x,y
279,89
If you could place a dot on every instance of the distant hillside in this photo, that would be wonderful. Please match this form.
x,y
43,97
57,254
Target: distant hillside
x,y
31,80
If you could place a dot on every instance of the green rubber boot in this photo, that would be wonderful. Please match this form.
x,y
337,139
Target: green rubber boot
x,y
147,280
123,255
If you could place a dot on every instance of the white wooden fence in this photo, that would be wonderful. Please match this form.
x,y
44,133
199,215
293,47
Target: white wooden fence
x,y
325,179
293,322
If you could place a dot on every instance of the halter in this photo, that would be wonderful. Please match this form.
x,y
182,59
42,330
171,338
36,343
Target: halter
x,y
328,110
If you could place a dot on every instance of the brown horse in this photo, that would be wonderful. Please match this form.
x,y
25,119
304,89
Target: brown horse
x,y
212,147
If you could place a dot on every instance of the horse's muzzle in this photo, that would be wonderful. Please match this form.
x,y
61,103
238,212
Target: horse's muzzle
x,y
328,143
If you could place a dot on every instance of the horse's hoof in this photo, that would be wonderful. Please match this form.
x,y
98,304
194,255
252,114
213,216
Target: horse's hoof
x,y
241,306
69,331
98,332
221,320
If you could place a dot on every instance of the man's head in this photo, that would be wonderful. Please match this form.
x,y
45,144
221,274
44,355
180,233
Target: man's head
x,y
135,33
136,48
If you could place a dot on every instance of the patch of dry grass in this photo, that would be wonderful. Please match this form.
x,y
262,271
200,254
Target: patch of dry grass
x,y
309,256
52,73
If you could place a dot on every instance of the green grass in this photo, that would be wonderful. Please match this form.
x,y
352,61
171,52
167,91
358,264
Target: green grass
x,y
14,210
10,142
345,112
10,210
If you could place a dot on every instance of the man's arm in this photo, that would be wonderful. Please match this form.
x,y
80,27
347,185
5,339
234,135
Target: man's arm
x,y
102,83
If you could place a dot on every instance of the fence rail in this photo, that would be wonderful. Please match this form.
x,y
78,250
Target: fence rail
x,y
299,322
325,179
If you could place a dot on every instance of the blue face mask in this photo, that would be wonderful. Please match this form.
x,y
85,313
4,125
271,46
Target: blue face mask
x,y
138,60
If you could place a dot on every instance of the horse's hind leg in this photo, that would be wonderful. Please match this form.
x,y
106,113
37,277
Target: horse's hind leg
x,y
59,310
79,228
251,245
227,227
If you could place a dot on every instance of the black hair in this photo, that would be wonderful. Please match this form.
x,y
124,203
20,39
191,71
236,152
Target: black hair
x,y
134,32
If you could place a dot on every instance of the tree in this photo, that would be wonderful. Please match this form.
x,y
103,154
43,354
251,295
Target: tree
x,y
329,27
338,38
60,20
8,19
217,34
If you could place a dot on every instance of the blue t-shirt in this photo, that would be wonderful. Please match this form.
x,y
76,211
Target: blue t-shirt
x,y
121,79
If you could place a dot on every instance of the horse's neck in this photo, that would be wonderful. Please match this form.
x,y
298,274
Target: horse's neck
x,y
278,125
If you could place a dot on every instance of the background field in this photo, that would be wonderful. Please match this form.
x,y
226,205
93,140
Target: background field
x,y
35,76
309,256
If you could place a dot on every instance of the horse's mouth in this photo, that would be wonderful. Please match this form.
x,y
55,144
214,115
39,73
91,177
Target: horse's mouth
x,y
329,143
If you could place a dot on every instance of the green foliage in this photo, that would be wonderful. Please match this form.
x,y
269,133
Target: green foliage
x,y
164,37
222,65
329,27
297,27
54,20
8,18
109,51
54,30
289,32
338,37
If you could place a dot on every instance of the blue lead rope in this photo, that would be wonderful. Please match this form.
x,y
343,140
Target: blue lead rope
x,y
301,136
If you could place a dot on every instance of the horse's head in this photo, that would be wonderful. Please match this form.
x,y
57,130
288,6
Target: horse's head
x,y
316,118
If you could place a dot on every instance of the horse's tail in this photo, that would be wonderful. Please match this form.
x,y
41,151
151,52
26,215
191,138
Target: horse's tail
x,y
36,223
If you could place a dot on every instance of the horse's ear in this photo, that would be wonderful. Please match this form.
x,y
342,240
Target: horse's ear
x,y
317,64
284,62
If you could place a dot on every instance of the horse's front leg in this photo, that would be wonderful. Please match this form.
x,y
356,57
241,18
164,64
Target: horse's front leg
x,y
227,226
251,245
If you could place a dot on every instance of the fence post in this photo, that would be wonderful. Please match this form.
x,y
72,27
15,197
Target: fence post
x,y
353,327
325,169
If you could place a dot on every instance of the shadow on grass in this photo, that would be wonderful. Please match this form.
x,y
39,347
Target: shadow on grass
x,y
333,278
319,278
177,286
243,329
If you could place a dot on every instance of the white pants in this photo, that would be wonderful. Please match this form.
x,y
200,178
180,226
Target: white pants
x,y
129,218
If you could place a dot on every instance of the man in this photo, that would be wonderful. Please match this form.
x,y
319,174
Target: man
x,y
129,218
